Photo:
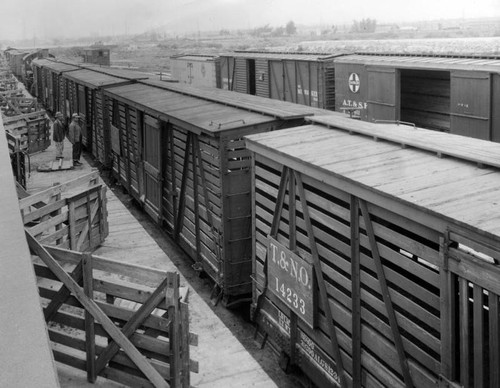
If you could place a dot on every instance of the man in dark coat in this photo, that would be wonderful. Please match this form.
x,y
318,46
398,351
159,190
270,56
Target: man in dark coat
x,y
75,138
58,135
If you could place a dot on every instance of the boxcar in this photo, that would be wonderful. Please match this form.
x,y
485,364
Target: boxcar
x,y
376,262
196,70
179,151
50,87
455,95
85,96
97,55
303,78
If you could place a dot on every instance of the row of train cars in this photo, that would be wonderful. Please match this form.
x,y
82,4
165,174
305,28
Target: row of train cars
x,y
370,251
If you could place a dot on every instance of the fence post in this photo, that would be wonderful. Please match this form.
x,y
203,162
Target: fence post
x,y
172,300
88,288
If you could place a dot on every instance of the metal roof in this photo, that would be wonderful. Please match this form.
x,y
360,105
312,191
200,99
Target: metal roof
x,y
422,62
94,79
293,56
451,188
194,113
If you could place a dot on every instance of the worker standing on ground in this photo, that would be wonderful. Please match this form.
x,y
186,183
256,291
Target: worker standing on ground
x,y
75,137
58,135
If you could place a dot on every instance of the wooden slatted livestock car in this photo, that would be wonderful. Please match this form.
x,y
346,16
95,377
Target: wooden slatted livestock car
x,y
85,95
302,78
49,86
376,253
179,151
455,95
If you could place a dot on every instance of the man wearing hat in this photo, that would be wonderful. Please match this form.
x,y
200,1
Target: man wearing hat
x,y
58,135
75,138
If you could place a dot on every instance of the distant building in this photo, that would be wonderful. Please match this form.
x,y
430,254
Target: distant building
x,y
97,55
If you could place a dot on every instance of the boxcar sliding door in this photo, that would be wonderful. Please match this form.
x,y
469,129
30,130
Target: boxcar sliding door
x,y
470,104
152,166
383,94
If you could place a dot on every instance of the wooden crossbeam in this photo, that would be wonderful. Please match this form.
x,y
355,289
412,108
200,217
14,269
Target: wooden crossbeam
x,y
405,369
63,294
115,333
133,323
321,284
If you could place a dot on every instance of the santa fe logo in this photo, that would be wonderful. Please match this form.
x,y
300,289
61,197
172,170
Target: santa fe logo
x,y
354,82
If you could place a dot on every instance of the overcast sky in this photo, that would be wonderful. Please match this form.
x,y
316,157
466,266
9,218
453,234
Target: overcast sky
x,y
83,18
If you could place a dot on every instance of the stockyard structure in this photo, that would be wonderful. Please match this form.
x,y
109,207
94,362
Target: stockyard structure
x,y
369,252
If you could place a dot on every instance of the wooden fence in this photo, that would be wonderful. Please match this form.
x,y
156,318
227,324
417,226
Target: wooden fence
x,y
90,328
72,215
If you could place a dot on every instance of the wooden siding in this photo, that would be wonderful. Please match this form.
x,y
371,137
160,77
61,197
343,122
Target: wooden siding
x,y
404,255
240,76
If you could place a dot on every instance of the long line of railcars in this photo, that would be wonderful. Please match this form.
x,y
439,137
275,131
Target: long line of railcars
x,y
179,151
371,250
448,93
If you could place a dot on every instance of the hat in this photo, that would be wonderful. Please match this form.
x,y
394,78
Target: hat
x,y
58,114
75,115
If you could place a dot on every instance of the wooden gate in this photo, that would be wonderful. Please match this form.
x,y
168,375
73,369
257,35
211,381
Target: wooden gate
x,y
152,167
470,312
90,329
77,221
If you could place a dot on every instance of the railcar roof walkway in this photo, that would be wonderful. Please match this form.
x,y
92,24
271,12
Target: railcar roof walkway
x,y
223,360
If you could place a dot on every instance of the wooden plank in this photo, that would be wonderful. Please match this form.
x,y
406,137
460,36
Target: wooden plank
x,y
63,294
89,320
494,340
478,335
172,299
464,333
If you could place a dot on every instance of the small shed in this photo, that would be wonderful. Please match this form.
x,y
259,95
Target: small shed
x,y
450,94
196,70
302,78
376,260
85,96
49,86
180,152
97,55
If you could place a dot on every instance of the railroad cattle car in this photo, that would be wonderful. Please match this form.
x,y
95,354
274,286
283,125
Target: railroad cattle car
x,y
180,152
376,253
303,78
196,70
85,88
456,95
49,85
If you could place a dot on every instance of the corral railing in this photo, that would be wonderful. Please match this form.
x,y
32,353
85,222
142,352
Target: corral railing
x,y
72,215
120,321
